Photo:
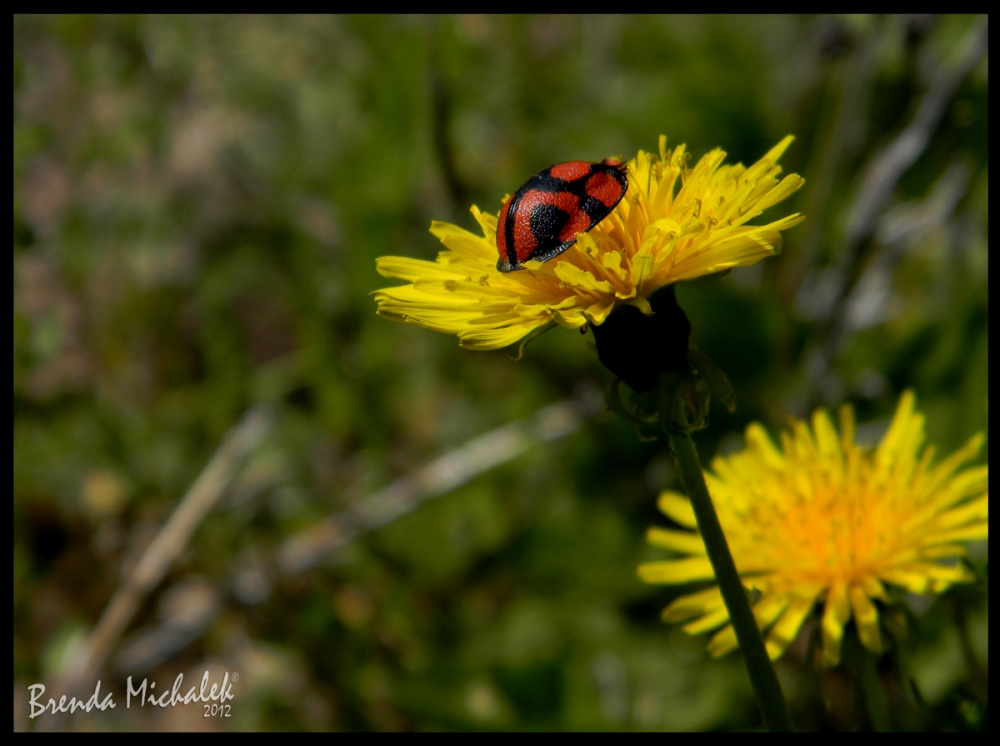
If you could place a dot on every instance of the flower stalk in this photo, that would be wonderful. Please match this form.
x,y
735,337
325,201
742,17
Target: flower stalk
x,y
763,679
872,692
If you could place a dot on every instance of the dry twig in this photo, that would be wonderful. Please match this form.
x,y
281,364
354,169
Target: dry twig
x,y
442,475
165,548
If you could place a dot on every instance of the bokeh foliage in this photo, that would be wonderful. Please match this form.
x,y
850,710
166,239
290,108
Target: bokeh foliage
x,y
198,204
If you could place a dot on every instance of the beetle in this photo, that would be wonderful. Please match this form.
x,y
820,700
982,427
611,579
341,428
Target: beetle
x,y
542,218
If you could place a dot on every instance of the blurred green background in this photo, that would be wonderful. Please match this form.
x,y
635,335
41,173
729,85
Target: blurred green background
x,y
198,205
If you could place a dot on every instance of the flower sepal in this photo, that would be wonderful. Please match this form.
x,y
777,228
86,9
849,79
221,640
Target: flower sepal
x,y
679,403
722,390
684,401
638,409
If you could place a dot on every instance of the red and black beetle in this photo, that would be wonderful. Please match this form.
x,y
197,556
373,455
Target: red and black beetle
x,y
541,219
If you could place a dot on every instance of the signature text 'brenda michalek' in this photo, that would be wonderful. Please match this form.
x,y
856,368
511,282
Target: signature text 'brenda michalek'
x,y
144,693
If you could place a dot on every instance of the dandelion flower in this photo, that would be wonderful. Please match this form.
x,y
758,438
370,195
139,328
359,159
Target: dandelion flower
x,y
825,521
674,224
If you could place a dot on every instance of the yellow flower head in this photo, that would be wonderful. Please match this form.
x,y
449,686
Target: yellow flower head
x,y
657,235
826,521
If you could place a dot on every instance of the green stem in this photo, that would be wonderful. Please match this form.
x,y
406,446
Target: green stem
x,y
762,677
871,690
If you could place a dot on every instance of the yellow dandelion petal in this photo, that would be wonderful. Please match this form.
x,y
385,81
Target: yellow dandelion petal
x,y
769,608
821,520
873,587
836,613
866,617
784,631
722,642
704,602
673,224
708,622
682,541
465,245
766,611
676,571
677,507
966,533
776,152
